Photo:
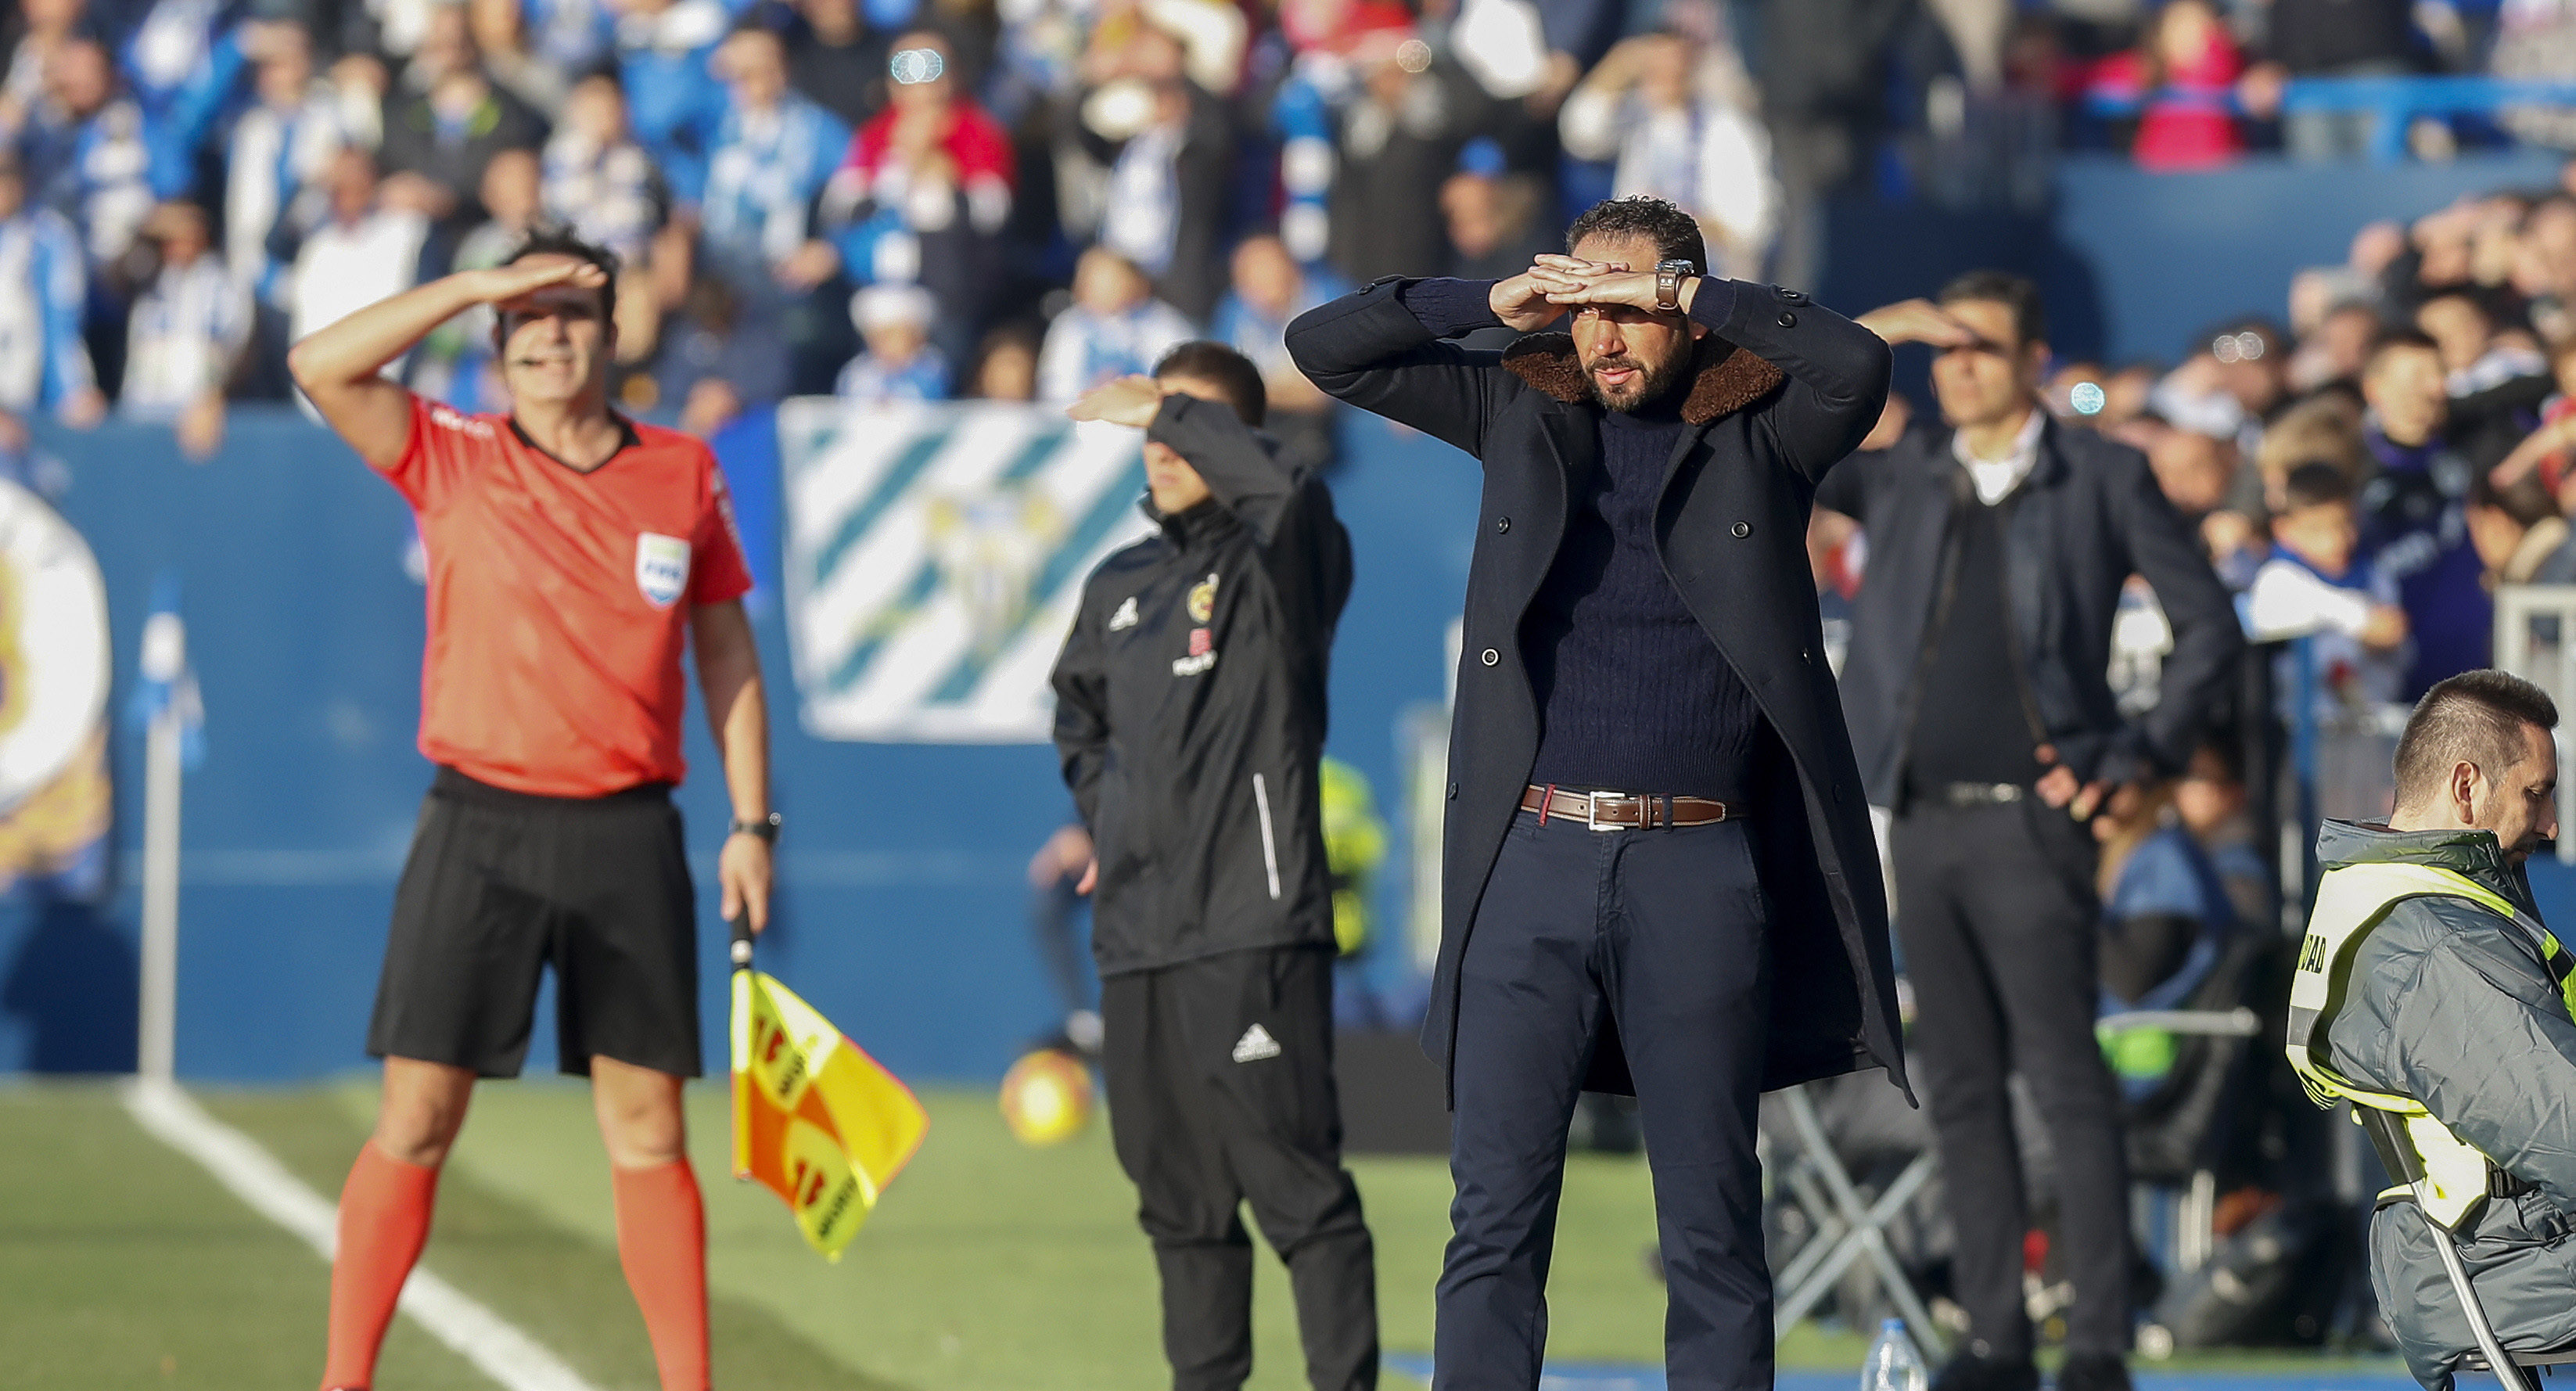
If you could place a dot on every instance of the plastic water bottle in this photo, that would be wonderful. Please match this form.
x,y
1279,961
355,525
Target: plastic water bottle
x,y
1894,1364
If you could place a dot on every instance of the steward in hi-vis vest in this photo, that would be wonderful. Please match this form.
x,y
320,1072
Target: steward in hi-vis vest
x,y
2428,987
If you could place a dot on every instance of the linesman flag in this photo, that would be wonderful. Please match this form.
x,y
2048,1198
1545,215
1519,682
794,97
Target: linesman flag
x,y
816,1119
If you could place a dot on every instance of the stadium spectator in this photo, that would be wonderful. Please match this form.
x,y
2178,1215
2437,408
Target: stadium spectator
x,y
49,24
1399,139
44,361
1169,149
2166,913
770,158
834,58
1824,85
2005,763
2475,357
2336,38
2194,471
925,192
88,156
2332,352
2183,73
367,249
1270,289
454,363
1114,328
499,31
2412,527
673,100
574,36
2519,534
1681,124
189,321
548,834
717,359
1006,366
182,64
598,180
2317,585
2235,378
900,363
1492,217
448,131
2544,453
281,147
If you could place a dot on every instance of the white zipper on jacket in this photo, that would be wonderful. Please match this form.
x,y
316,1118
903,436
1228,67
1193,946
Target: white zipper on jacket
x,y
1269,848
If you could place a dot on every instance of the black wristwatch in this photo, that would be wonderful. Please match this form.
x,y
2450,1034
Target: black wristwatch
x,y
1669,276
766,828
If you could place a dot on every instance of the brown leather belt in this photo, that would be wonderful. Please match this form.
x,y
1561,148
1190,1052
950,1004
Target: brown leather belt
x,y
1622,811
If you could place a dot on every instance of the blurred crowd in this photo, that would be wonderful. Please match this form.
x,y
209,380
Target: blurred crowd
x,y
918,199
2367,468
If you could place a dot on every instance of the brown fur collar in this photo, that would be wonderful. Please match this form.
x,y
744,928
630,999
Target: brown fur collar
x,y
1726,378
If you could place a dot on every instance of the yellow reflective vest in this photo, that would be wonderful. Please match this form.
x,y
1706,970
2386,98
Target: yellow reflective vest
x,y
2351,901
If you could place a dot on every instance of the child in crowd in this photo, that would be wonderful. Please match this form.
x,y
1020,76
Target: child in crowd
x,y
1115,328
900,364
2316,586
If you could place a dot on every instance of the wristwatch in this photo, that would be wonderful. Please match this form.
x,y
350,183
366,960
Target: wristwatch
x,y
766,827
1669,276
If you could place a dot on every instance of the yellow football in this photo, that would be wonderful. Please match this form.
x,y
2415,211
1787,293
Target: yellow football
x,y
1046,1097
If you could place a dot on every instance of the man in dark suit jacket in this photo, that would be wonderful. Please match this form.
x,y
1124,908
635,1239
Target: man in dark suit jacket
x,y
1984,721
1642,659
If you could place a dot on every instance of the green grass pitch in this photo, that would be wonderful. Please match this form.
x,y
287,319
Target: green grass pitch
x,y
988,1267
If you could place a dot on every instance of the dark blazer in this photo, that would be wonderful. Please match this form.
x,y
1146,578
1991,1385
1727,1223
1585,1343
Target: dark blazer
x,y
1783,389
2089,516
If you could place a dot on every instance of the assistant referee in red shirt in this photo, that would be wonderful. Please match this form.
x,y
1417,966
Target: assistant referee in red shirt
x,y
573,556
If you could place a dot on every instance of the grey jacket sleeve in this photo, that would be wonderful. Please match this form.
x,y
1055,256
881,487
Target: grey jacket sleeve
x,y
2480,1035
1369,350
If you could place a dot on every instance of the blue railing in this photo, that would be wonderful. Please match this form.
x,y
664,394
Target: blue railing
x,y
2395,101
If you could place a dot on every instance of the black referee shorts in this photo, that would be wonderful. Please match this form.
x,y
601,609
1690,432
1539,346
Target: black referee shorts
x,y
503,884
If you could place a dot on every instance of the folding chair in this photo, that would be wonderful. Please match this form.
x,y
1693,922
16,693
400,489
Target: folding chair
x,y
2398,1152
1847,1228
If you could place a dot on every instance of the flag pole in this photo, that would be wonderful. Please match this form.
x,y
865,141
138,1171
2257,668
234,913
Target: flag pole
x,y
743,985
164,662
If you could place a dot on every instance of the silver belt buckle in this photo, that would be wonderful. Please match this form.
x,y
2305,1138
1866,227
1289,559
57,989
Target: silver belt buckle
x,y
1592,811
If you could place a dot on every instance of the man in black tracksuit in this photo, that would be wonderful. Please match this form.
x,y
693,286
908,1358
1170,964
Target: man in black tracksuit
x,y
1190,718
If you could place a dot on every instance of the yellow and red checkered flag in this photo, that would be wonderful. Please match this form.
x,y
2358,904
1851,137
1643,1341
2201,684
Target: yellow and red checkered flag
x,y
814,1117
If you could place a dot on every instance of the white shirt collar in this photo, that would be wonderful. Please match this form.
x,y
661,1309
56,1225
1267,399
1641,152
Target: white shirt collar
x,y
1996,478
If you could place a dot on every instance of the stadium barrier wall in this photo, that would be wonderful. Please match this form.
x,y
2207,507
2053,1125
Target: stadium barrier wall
x,y
902,895
2135,265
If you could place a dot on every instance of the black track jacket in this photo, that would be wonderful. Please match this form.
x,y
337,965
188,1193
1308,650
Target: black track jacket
x,y
1190,707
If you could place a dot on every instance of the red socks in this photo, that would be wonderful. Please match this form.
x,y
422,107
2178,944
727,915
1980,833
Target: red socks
x,y
662,1243
384,1219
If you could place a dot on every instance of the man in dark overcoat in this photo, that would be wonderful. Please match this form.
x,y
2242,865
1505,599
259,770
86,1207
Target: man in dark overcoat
x,y
1659,873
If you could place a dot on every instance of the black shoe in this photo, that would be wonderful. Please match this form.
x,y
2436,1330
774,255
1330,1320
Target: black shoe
x,y
2093,1371
1972,1371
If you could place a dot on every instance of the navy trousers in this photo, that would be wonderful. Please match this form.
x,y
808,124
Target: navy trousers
x,y
1665,930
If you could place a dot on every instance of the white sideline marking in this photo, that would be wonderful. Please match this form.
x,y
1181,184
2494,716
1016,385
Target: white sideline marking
x,y
482,1337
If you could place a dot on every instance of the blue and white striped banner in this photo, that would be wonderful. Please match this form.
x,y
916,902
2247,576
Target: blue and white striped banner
x,y
934,556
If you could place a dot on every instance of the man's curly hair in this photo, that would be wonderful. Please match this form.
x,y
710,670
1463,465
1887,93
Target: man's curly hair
x,y
1675,233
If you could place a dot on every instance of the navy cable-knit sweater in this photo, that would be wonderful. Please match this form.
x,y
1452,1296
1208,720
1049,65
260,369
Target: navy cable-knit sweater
x,y
1633,694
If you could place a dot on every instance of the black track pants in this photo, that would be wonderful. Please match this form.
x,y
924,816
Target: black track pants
x,y
1220,1081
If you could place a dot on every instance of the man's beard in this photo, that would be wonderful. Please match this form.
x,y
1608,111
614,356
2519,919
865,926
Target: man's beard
x,y
1652,385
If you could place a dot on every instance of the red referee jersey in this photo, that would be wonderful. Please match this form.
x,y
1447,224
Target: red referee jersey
x,y
559,600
